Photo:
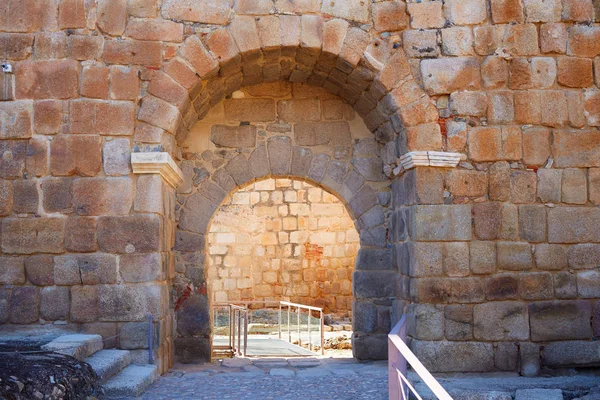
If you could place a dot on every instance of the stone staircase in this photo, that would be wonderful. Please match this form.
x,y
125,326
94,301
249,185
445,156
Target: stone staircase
x,y
119,377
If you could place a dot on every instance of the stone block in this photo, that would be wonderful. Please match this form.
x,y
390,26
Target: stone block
x,y
54,303
447,290
521,39
95,82
571,354
470,12
506,357
425,322
576,148
363,201
102,196
468,103
116,157
551,257
32,235
458,321
391,16
529,357
421,43
536,286
84,47
442,223
482,257
591,107
584,256
259,110
442,356
578,11
514,256
456,259
216,13
374,284
76,155
536,146
364,315
131,302
499,178
424,259
13,271
279,150
493,144
374,259
523,187
462,182
136,268
553,38
84,303
457,41
129,234
239,169
505,11
80,234
556,111
24,305
36,163
17,46
588,284
424,15
560,320
574,186
47,116
565,285
40,269
71,14
5,294
233,136
502,321
159,113
542,11
25,196
502,287
299,110
575,72
494,72
102,117
370,346
6,197
573,225
444,76
155,29
532,223
549,185
47,79
16,117
134,335
88,269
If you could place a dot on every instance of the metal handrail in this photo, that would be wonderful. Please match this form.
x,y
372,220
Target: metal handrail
x,y
399,357
238,318
309,310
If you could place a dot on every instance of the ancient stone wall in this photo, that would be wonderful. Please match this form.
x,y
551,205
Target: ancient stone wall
x,y
497,257
282,239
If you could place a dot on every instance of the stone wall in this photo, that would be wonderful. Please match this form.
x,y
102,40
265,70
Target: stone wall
x,y
507,239
281,239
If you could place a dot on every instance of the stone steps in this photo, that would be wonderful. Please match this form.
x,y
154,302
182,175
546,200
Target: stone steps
x,y
108,363
79,346
131,381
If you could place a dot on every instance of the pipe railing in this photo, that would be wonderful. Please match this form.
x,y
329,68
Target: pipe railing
x,y
309,310
399,357
238,320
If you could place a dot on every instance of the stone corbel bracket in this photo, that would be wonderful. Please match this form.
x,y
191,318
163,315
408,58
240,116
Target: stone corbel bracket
x,y
157,163
414,159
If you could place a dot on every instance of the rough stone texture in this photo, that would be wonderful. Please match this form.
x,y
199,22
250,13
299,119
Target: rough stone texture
x,y
500,321
560,320
438,356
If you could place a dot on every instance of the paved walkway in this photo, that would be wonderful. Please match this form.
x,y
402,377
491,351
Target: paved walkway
x,y
266,346
267,379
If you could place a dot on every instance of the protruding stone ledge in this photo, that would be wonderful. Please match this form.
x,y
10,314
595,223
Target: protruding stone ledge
x,y
414,159
157,163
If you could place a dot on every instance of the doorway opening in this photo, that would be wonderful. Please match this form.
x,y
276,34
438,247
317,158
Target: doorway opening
x,y
281,240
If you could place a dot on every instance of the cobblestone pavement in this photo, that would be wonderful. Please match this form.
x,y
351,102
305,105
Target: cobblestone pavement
x,y
274,379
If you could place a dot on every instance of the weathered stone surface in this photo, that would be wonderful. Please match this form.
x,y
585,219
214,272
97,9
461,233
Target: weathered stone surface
x,y
134,335
233,136
550,257
24,305
532,223
502,287
76,155
482,257
467,183
102,196
576,148
279,149
84,303
32,235
48,79
16,119
13,272
549,185
25,196
129,234
458,322
571,354
374,284
36,163
444,76
116,157
441,356
374,259
560,320
529,356
210,13
588,284
54,303
325,133
501,321
12,163
80,234
258,110
88,269
442,222
130,302
447,290
536,286
40,269
427,323
573,225
514,256
135,268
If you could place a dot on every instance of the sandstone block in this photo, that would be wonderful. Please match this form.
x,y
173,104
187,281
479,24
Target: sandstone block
x,y
148,194
499,177
527,107
592,109
576,148
48,79
102,117
159,113
155,29
560,320
13,271
391,16
244,32
24,305
213,13
47,116
102,196
40,269
457,41
573,225
25,196
222,46
17,46
542,11
233,136
54,303
129,234
32,235
593,183
36,163
138,52
523,187
443,77
84,303
425,15
494,73
504,11
71,14
467,183
553,38
501,321
543,72
521,39
83,47
574,186
468,103
493,144
250,110
575,72
578,11
583,41
116,157
514,256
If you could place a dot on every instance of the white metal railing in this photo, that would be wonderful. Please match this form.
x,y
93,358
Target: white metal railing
x,y
309,311
238,329
399,357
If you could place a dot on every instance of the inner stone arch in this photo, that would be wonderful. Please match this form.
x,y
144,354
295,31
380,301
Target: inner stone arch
x,y
290,131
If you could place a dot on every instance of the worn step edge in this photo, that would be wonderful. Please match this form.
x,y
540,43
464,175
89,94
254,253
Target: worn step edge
x,y
131,381
78,345
107,363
